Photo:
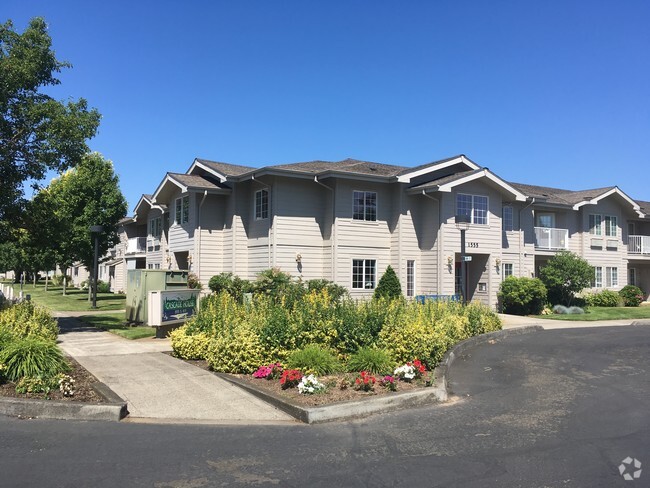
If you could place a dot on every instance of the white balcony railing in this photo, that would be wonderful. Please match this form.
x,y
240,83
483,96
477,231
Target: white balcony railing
x,y
136,245
638,244
551,239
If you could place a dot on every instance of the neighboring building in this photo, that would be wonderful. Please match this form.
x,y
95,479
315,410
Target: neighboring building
x,y
347,221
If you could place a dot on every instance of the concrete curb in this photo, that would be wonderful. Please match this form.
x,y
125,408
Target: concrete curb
x,y
115,410
386,403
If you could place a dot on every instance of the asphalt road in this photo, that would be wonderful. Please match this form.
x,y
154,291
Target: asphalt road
x,y
558,408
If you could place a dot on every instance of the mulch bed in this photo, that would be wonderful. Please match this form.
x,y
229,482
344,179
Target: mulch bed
x,y
84,391
333,394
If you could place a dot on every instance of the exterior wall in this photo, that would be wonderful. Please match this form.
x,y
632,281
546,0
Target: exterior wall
x,y
181,235
208,241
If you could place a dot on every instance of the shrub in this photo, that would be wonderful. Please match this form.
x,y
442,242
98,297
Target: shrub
x,y
314,359
336,292
33,357
231,284
522,296
189,346
632,295
193,282
565,275
36,385
481,318
103,287
371,359
359,324
389,285
605,298
238,351
278,285
26,319
57,280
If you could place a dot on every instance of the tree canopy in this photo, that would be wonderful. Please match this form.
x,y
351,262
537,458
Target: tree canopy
x,y
565,275
37,133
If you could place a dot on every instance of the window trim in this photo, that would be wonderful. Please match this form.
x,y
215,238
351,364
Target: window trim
x,y
472,214
631,272
182,210
504,274
504,221
263,206
611,276
609,221
410,278
365,262
365,206
598,277
155,227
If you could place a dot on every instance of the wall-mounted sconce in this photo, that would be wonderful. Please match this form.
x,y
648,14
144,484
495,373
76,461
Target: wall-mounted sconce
x,y
497,263
168,257
298,258
450,260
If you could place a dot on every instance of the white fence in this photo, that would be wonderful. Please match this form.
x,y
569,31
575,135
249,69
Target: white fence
x,y
638,244
551,239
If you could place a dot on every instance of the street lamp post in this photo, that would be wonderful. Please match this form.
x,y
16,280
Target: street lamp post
x,y
462,224
95,230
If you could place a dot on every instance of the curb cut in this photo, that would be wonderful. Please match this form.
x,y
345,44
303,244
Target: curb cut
x,y
115,410
361,408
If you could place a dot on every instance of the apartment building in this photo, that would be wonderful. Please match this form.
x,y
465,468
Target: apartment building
x,y
346,221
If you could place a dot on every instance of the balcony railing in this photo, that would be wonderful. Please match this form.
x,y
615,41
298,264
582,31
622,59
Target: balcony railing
x,y
638,244
136,245
551,239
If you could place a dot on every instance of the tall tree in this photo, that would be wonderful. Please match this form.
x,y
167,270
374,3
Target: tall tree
x,y
565,275
37,133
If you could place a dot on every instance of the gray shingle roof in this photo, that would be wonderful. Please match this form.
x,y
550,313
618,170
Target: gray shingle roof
x,y
428,165
645,206
194,181
445,180
353,166
226,169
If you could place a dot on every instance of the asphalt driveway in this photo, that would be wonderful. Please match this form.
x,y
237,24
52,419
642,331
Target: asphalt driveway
x,y
557,408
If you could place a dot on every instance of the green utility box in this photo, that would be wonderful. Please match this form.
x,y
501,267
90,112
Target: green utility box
x,y
141,281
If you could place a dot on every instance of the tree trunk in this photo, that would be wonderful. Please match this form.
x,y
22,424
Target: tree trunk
x,y
47,275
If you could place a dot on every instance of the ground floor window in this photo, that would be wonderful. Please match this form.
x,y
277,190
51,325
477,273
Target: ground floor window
x,y
631,276
364,274
598,277
410,278
612,276
507,270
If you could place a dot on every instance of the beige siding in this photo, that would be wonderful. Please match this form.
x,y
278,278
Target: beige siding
x,y
181,235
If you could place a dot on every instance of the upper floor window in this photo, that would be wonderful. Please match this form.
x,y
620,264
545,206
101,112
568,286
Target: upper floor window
x,y
155,227
261,204
364,274
610,226
595,225
475,206
365,205
182,210
507,221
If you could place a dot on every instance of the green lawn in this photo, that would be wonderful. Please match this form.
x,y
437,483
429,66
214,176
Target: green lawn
x,y
604,313
75,300
116,323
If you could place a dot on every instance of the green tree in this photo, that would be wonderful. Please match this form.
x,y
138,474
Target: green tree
x,y
389,285
86,195
565,275
37,133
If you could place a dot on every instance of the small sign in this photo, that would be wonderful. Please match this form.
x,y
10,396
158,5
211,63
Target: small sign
x,y
172,306
467,258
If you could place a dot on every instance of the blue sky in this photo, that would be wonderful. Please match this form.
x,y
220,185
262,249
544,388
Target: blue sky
x,y
553,93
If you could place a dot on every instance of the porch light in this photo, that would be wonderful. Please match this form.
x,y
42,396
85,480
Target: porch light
x,y
462,222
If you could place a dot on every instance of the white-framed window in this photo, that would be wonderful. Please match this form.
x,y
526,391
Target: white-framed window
x,y
410,278
474,206
155,227
182,214
611,274
364,274
261,204
611,229
598,277
545,219
595,225
508,270
507,218
364,205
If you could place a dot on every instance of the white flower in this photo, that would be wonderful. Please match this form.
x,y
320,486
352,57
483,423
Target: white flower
x,y
309,384
405,372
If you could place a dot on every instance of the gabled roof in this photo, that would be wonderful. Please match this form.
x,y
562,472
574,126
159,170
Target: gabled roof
x,y
644,206
187,183
145,199
447,183
604,193
351,166
223,171
407,174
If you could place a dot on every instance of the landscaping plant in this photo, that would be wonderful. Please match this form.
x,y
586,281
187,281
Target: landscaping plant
x,y
522,295
314,359
389,285
371,359
565,275
632,295
605,298
365,381
309,385
33,357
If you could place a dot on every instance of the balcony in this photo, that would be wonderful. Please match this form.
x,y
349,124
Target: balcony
x,y
638,245
136,245
549,239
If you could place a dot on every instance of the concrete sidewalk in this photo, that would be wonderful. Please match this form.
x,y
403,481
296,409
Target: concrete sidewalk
x,y
511,321
157,386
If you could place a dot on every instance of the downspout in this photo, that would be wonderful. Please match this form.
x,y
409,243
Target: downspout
x,y
200,229
333,230
438,241
268,233
521,234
